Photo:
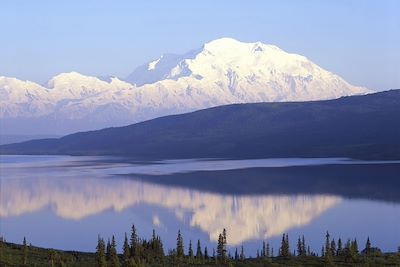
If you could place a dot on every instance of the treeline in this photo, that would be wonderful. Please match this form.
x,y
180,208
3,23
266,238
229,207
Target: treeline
x,y
142,252
138,251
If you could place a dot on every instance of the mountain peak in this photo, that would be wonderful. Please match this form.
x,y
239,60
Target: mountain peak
x,y
222,71
223,41
69,75
65,78
221,56
225,44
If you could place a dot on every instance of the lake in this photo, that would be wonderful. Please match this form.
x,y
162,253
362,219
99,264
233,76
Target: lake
x,y
65,202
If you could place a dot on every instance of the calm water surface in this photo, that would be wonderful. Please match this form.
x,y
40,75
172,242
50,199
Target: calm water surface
x,y
65,202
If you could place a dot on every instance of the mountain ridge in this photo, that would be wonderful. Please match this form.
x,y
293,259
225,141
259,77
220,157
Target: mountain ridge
x,y
365,127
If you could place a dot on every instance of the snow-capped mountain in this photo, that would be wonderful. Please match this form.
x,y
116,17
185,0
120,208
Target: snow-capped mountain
x,y
223,71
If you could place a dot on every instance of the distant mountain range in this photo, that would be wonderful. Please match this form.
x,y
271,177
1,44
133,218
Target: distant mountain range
x,y
9,139
223,71
365,127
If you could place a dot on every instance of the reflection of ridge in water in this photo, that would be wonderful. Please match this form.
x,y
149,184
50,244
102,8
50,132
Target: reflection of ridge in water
x,y
249,217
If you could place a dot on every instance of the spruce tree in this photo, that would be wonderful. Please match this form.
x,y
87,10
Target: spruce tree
x,y
263,253
327,245
267,253
299,247
284,250
224,237
224,243
328,252
108,250
154,236
206,253
347,249
354,247
287,245
179,245
101,253
339,250
242,256
221,247
199,254
154,247
114,260
190,250
134,244
333,248
368,247
236,255
126,251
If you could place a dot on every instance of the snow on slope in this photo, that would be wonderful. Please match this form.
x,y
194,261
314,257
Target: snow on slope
x,y
28,99
223,71
23,98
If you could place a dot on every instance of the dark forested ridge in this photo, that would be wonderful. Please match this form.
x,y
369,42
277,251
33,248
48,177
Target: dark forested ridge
x,y
366,127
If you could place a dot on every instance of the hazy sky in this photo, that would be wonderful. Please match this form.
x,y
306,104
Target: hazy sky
x,y
359,40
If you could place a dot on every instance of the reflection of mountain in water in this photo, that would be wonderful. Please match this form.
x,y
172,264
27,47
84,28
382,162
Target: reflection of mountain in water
x,y
249,217
362,180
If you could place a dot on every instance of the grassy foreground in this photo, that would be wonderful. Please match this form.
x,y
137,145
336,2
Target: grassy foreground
x,y
13,255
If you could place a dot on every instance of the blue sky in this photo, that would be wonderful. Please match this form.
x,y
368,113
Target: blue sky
x,y
357,39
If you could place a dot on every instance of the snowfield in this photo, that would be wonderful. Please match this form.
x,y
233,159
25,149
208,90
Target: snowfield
x,y
223,71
